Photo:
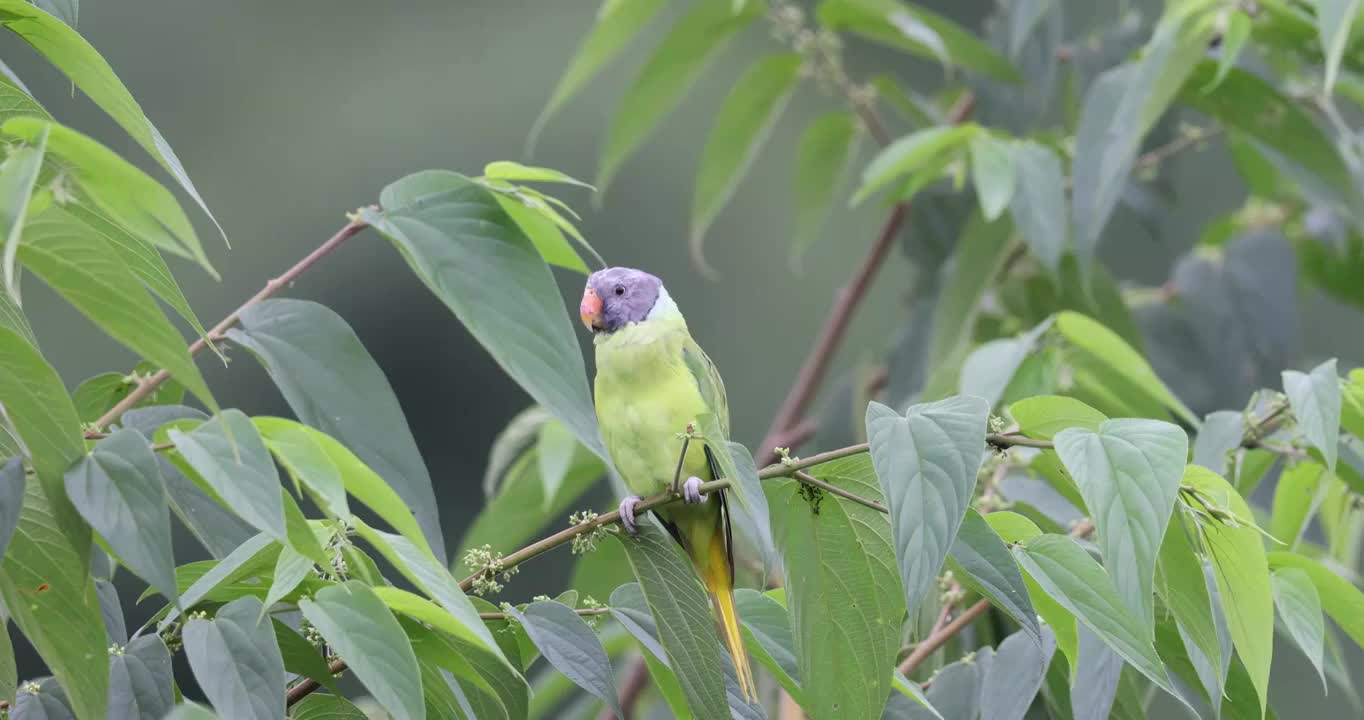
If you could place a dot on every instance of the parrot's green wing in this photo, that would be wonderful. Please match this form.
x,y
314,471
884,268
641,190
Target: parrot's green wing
x,y
708,382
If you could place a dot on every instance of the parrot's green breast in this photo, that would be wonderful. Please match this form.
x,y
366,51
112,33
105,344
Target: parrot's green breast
x,y
646,396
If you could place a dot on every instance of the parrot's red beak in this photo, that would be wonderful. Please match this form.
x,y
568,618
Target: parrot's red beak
x,y
590,310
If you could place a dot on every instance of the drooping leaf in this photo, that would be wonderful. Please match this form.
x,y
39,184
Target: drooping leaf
x,y
1094,346
307,460
1079,584
1299,606
992,172
555,449
228,454
290,570
225,580
1297,495
118,489
11,499
911,154
457,687
741,127
52,600
1339,597
521,432
1334,20
631,610
667,75
140,681
1039,203
333,384
236,660
1094,685
824,160
572,647
1220,434
1181,582
916,30
362,630
515,171
926,462
617,23
18,177
1044,416
70,53
737,465
984,564
981,250
768,637
1015,675
1242,572
1315,399
301,657
1129,474
846,608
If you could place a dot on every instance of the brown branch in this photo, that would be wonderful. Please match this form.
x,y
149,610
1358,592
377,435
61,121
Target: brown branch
x,y
939,637
630,690
308,685
150,384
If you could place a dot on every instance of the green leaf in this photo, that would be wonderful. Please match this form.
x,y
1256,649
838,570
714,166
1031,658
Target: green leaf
x,y
1015,675
228,454
333,384
18,176
1044,416
1315,399
70,53
981,250
1233,41
1238,562
741,127
118,489
1182,584
140,680
737,465
423,570
453,687
911,154
516,172
1120,108
617,23
468,252
571,647
926,462
630,609
768,637
236,660
846,608
520,433
1220,434
90,275
667,75
302,657
191,711
298,450
326,707
984,564
118,188
35,402
992,171
1129,474
64,10
1339,597
682,614
1334,18
96,395
825,155
48,701
1039,205
11,499
532,217
214,581
555,450
1079,584
290,570
360,628
1094,345
1297,496
1300,608
52,601
1011,527
916,30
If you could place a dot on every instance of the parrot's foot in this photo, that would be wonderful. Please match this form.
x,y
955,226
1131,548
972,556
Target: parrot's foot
x,y
691,491
627,514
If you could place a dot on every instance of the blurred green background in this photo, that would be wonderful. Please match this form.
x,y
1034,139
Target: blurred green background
x,y
289,114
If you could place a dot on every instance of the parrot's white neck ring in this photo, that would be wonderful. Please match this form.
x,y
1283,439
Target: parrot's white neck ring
x,y
664,307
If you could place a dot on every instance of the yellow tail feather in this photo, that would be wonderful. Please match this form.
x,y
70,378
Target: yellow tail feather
x,y
717,579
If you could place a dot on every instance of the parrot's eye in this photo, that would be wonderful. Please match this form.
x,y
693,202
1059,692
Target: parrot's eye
x,y
620,290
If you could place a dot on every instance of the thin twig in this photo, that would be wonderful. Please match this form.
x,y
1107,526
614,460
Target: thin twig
x,y
630,690
816,482
583,612
150,384
308,685
940,637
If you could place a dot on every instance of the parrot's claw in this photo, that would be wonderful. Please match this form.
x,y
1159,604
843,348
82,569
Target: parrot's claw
x,y
691,491
627,514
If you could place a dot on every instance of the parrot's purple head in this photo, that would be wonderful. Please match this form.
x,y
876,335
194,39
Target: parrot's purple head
x,y
618,296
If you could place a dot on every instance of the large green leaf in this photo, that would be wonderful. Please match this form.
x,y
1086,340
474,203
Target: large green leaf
x,y
1182,583
333,384
1079,584
1097,348
18,177
453,685
93,277
1243,582
362,630
824,159
631,610
1315,398
1015,675
1039,204
1120,107
304,457
229,456
11,499
52,599
846,608
926,462
682,614
1044,416
326,707
768,637
1129,474
984,564
463,246
571,646
914,29
741,127
617,23
36,403
70,53
45,699
1339,597
1297,495
118,489
1299,606
917,152
140,681
667,75
237,662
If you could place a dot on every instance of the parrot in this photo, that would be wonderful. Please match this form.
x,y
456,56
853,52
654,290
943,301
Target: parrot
x,y
652,382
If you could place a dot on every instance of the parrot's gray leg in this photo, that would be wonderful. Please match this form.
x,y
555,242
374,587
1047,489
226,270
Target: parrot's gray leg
x,y
691,491
627,513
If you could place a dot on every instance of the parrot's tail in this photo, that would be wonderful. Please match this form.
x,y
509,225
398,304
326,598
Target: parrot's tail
x,y
719,581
